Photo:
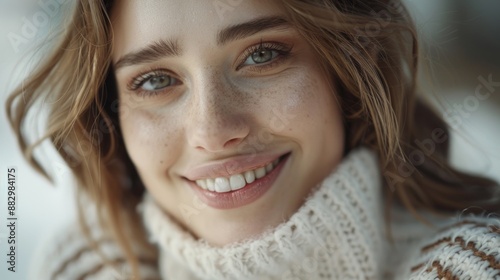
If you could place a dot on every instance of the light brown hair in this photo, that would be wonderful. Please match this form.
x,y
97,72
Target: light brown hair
x,y
368,47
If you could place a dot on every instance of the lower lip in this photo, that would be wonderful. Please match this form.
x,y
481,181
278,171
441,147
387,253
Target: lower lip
x,y
241,197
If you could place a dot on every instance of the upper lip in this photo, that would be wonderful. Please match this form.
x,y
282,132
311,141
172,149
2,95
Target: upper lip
x,y
230,166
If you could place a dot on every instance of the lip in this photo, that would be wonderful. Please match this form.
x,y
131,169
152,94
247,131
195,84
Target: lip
x,y
228,167
246,195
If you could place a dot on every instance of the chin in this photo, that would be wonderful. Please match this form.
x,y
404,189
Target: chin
x,y
221,227
232,233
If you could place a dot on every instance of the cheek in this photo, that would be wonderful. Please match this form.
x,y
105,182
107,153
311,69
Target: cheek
x,y
303,106
149,139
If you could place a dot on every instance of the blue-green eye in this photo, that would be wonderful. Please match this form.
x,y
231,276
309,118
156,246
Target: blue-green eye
x,y
264,55
153,81
158,82
261,56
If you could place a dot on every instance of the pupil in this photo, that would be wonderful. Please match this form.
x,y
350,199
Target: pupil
x,y
262,56
159,82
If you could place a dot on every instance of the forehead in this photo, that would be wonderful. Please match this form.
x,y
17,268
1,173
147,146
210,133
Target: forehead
x,y
137,23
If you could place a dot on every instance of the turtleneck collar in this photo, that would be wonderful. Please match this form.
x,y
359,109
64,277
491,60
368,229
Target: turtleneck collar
x,y
336,234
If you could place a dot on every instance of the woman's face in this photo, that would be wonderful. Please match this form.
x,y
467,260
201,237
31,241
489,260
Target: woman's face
x,y
225,112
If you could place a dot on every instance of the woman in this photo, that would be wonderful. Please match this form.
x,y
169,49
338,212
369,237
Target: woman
x,y
255,140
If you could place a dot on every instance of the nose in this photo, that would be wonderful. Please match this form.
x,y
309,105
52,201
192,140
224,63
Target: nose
x,y
216,120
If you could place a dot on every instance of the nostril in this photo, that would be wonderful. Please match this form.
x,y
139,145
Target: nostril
x,y
232,142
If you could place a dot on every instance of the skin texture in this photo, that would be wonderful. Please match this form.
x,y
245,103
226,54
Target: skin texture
x,y
221,105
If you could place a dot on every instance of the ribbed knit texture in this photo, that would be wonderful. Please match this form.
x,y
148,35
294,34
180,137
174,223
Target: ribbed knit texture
x,y
336,234
466,247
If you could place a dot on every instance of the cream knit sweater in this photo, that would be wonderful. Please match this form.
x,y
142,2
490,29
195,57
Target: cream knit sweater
x,y
338,233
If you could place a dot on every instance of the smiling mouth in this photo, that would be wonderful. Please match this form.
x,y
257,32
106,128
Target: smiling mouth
x,y
222,196
238,181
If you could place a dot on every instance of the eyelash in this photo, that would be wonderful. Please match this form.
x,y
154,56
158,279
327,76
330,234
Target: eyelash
x,y
283,50
136,83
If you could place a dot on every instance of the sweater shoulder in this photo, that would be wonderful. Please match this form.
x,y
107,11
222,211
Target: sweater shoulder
x,y
464,249
67,254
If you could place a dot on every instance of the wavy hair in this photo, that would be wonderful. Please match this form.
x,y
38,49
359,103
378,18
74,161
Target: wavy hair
x,y
368,47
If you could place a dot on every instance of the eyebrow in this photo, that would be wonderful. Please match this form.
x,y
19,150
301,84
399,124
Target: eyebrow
x,y
150,53
163,48
249,28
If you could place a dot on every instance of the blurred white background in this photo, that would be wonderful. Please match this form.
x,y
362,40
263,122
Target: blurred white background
x,y
460,42
41,207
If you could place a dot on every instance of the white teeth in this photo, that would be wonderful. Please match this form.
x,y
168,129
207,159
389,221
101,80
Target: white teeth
x,y
236,181
260,172
202,184
269,167
222,184
249,176
211,185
